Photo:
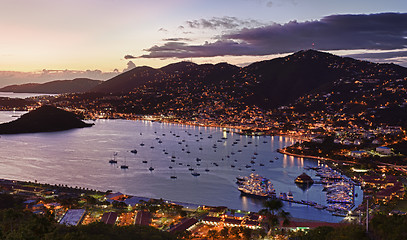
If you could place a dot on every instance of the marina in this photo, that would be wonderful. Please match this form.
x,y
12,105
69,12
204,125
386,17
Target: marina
x,y
81,158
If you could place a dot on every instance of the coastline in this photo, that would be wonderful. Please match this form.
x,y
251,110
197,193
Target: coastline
x,y
282,151
38,187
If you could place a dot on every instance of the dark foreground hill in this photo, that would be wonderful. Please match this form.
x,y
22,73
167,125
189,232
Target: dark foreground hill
x,y
55,87
43,119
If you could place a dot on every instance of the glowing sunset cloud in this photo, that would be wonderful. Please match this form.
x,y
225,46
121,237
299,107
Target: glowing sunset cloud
x,y
105,34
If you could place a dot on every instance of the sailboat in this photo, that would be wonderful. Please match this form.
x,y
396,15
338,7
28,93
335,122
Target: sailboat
x,y
113,160
151,167
124,166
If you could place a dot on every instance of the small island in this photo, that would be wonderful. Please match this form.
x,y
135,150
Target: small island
x,y
44,119
304,179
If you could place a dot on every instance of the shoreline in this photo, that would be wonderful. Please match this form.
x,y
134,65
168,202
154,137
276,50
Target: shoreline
x,y
66,188
282,151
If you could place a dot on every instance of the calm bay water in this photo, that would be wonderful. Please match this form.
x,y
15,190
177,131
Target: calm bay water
x,y
80,158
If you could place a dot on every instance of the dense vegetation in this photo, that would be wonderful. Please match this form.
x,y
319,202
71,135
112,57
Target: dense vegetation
x,y
15,223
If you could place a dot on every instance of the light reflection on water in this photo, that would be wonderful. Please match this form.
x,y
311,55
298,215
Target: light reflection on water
x,y
80,158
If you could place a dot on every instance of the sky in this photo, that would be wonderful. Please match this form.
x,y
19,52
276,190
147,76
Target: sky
x,y
43,40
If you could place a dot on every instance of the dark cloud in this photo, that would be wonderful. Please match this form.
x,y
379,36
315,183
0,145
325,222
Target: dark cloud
x,y
176,39
183,50
397,57
129,57
384,31
223,22
379,55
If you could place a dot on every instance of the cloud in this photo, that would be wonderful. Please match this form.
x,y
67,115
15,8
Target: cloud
x,y
183,50
223,22
383,31
130,65
397,57
129,56
176,40
379,55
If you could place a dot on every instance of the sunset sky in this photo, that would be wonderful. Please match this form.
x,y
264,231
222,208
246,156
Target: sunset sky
x,y
99,38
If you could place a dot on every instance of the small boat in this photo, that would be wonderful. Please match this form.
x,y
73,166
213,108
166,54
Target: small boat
x,y
170,167
261,164
232,166
112,161
151,169
124,167
276,158
190,169
173,177
134,151
195,174
141,144
290,196
144,161
206,170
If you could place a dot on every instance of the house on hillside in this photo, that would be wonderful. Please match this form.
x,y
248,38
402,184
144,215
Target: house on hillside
x,y
384,150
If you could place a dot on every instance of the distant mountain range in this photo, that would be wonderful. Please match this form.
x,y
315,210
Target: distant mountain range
x,y
305,82
55,87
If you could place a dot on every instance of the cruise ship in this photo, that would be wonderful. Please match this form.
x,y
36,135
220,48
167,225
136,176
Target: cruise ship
x,y
256,186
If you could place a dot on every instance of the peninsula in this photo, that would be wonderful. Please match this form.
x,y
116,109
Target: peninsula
x,y
43,119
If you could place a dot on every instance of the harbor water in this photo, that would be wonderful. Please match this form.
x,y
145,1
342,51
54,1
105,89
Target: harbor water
x,y
80,157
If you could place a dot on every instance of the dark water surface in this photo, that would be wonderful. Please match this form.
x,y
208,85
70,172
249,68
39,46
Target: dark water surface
x,y
80,158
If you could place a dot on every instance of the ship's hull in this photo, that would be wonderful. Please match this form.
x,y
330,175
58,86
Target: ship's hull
x,y
256,195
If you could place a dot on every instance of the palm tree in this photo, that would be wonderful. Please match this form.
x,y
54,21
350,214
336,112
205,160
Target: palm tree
x,y
212,233
273,212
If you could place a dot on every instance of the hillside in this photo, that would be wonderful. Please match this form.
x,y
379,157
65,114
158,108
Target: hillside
x,y
267,84
43,119
301,84
54,87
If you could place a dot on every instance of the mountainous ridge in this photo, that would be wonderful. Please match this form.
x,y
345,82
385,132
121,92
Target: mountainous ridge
x,y
274,82
301,84
54,87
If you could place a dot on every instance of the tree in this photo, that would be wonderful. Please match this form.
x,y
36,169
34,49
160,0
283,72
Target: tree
x,y
224,232
212,234
235,231
273,212
247,233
